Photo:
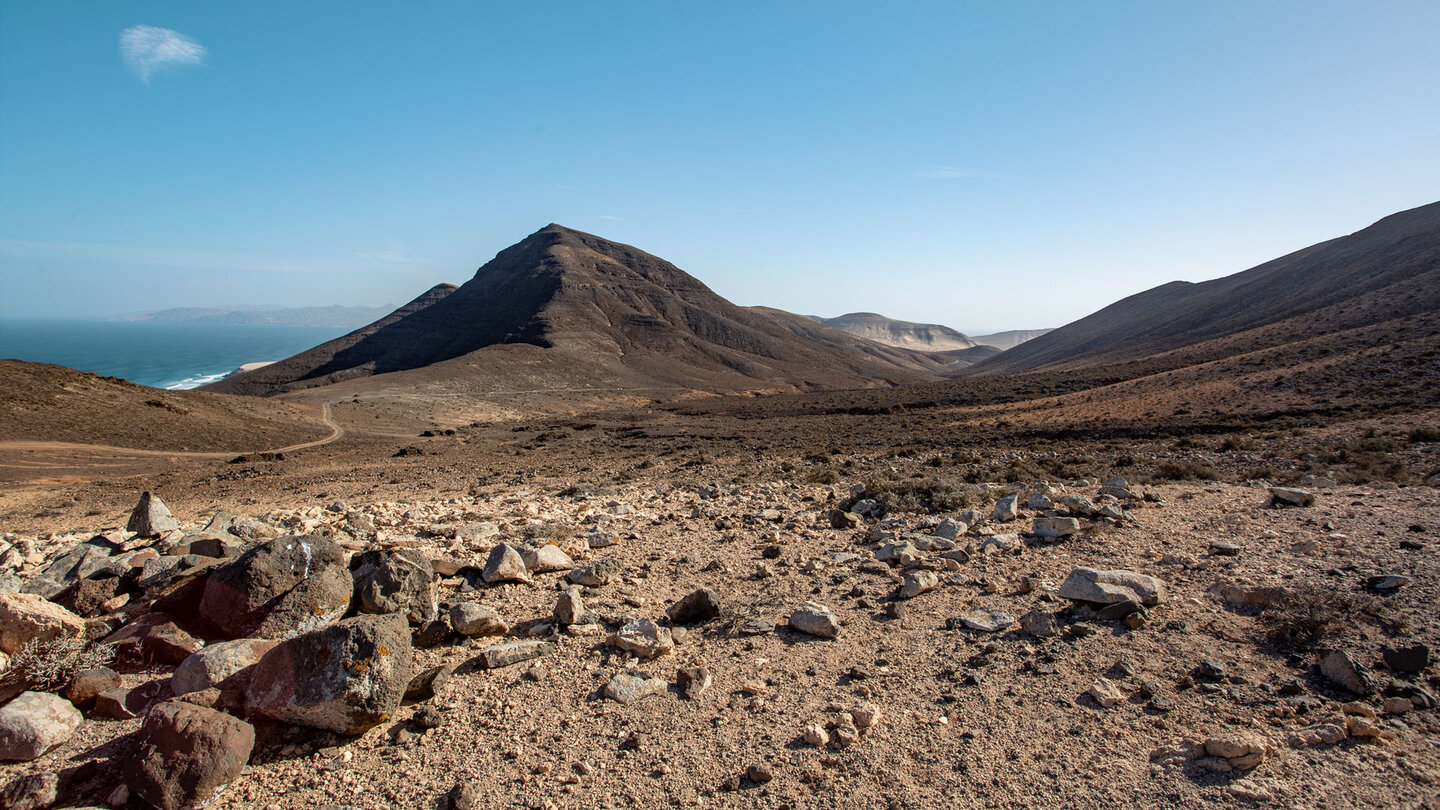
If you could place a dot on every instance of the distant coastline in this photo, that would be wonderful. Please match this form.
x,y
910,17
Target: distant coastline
x,y
157,354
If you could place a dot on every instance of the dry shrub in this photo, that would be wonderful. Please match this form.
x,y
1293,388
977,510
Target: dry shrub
x,y
47,665
1309,614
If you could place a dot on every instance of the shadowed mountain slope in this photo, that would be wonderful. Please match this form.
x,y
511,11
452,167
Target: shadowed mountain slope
x,y
1390,270
604,314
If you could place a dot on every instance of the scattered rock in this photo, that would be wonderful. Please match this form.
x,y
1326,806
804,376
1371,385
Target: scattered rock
x,y
514,652
759,773
505,565
35,722
347,677
1346,672
35,791
693,681
918,582
473,620
816,736
570,609
628,687
154,638
1386,583
985,620
815,619
1039,624
151,518
1105,587
1220,549
1105,692
1291,496
595,574
1414,658
1048,526
86,684
644,639
428,684
694,608
187,753
1007,508
547,558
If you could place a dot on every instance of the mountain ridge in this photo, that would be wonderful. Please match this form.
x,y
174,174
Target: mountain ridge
x,y
612,312
1390,269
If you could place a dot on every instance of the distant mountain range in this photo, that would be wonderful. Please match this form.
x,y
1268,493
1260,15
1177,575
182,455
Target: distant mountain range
x,y
925,337
1389,271
332,316
567,310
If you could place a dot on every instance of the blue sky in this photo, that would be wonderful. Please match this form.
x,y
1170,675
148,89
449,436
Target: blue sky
x,y
983,165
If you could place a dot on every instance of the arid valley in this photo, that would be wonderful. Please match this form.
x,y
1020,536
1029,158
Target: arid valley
x,y
581,533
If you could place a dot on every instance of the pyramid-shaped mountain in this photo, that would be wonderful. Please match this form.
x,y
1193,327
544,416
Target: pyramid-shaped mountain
x,y
602,313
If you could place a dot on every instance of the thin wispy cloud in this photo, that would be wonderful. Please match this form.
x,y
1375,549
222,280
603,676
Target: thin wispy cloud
x,y
147,50
947,172
606,216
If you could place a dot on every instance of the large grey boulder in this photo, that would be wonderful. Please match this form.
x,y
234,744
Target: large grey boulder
x,y
186,754
151,517
1108,587
348,677
211,666
35,722
398,582
279,589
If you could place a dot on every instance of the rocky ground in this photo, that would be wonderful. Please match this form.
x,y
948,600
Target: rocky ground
x,y
885,647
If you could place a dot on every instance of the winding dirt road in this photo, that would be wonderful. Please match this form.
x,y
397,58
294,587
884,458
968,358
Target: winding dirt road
x,y
32,462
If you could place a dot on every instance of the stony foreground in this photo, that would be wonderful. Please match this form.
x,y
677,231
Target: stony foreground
x,y
1091,644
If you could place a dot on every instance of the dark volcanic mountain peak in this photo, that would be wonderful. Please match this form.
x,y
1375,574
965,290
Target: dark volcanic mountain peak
x,y
602,305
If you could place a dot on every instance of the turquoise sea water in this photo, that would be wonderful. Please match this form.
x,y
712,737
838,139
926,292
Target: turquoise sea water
x,y
161,355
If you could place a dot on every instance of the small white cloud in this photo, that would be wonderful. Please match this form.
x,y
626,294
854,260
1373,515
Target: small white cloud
x,y
392,257
605,216
947,172
146,49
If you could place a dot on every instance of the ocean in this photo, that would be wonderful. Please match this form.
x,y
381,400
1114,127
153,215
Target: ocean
x,y
160,355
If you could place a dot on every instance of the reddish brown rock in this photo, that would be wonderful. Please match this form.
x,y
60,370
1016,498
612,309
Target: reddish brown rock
x,y
186,754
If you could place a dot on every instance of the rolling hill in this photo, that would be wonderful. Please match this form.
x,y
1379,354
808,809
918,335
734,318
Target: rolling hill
x,y
1387,272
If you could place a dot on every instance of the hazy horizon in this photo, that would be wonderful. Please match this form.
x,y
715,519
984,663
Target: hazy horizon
x,y
988,168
